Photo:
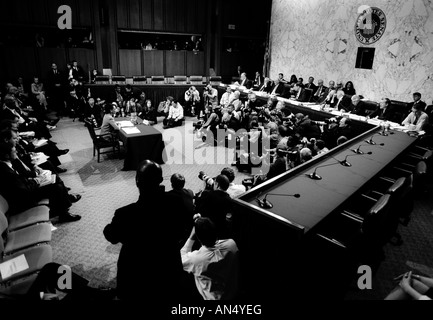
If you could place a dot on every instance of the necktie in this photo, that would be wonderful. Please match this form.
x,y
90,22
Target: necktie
x,y
338,103
416,119
275,89
318,92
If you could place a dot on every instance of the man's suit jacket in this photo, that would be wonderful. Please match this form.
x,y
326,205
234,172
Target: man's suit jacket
x,y
17,189
78,74
54,78
280,89
258,82
246,83
344,104
266,87
385,114
149,260
320,94
420,102
311,86
360,109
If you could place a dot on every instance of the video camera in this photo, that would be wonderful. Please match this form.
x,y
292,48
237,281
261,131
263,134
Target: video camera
x,y
197,125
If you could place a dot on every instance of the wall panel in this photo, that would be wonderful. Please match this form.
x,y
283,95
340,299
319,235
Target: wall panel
x,y
175,63
130,62
153,62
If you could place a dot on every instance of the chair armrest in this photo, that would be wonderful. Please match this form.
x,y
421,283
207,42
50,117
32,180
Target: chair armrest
x,y
353,216
387,179
368,197
401,169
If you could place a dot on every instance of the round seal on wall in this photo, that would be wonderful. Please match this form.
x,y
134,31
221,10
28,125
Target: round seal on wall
x,y
370,25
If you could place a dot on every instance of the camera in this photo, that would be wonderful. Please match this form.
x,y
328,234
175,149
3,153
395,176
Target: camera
x,y
197,125
208,180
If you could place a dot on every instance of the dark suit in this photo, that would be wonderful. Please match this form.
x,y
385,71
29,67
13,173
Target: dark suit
x,y
266,87
360,109
149,261
385,114
320,94
311,86
22,192
215,205
258,82
186,212
280,89
246,83
345,104
78,73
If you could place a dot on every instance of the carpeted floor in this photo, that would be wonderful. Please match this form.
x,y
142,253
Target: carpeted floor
x,y
105,188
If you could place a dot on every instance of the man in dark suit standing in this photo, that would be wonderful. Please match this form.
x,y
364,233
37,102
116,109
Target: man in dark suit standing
x,y
278,88
55,80
321,92
77,72
149,261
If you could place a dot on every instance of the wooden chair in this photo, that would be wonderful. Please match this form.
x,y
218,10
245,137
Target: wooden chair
x,y
158,79
100,143
180,80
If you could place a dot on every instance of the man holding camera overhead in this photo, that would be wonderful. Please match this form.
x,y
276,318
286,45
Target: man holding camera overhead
x,y
215,203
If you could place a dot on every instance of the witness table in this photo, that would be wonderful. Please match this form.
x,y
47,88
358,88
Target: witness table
x,y
145,143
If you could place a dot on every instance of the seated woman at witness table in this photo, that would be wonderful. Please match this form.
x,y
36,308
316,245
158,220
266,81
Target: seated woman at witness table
x,y
108,123
349,89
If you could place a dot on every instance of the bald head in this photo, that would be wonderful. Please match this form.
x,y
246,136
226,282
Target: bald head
x,y
149,175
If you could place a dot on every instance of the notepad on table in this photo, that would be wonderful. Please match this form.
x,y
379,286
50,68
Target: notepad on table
x,y
132,130
125,123
40,142
13,266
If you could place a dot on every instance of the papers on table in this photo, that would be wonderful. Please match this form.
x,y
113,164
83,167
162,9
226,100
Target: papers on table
x,y
125,123
40,142
13,266
132,130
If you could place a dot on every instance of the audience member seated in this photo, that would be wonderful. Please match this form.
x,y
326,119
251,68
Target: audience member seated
x,y
213,119
412,287
216,204
147,113
321,92
386,110
293,80
234,190
320,147
192,100
311,85
341,101
164,107
226,97
236,102
175,116
258,81
75,104
92,112
215,265
417,101
305,155
281,78
117,96
138,225
278,88
38,92
417,119
266,86
244,82
23,187
231,120
186,197
349,89
358,107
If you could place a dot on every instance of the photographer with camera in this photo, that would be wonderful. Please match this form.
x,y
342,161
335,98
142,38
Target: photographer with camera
x,y
213,115
210,95
215,203
192,99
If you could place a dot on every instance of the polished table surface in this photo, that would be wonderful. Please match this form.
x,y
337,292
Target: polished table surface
x,y
148,144
318,198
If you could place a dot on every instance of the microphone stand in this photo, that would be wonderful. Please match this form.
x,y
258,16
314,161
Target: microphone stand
x,y
265,203
315,176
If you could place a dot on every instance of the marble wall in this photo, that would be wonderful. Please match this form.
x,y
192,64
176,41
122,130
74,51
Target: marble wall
x,y
317,38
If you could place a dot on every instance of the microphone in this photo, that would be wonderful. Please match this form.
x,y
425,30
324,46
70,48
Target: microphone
x,y
348,164
371,139
359,151
266,204
315,176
